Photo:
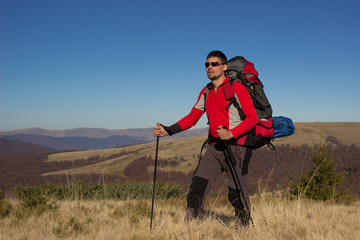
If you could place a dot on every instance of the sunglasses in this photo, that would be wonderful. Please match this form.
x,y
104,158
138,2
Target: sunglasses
x,y
213,64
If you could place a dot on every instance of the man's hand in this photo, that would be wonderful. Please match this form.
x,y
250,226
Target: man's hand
x,y
224,134
159,131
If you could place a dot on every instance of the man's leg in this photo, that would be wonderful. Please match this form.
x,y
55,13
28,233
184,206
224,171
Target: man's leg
x,y
238,184
207,170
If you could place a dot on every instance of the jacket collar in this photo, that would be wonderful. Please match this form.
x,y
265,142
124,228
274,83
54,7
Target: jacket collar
x,y
210,86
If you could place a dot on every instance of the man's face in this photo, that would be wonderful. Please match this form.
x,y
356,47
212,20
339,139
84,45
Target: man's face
x,y
215,72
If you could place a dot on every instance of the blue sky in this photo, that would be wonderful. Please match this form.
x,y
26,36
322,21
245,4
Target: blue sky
x,y
129,64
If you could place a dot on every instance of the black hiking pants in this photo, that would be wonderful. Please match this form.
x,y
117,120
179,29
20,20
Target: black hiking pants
x,y
214,162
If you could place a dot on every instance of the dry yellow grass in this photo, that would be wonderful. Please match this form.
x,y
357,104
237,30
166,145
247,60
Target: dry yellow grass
x,y
74,155
186,148
274,218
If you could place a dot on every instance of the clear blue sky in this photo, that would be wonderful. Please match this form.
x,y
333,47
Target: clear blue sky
x,y
129,64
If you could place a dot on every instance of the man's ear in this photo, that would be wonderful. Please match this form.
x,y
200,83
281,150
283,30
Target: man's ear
x,y
225,67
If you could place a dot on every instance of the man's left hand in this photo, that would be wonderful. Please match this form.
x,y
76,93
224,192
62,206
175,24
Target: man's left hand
x,y
224,134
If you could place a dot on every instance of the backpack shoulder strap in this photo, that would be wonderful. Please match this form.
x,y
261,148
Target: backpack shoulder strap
x,y
205,94
229,89
206,91
229,93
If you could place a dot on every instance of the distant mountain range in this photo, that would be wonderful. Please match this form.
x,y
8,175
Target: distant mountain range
x,y
145,133
87,138
82,132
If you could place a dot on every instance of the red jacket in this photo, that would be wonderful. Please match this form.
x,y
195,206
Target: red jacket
x,y
218,115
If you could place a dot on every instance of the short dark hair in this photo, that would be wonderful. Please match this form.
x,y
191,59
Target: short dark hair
x,y
219,55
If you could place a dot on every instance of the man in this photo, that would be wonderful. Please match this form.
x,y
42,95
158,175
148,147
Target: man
x,y
225,126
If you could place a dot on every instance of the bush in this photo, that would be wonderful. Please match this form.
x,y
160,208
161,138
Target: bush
x,y
321,181
36,199
5,206
32,196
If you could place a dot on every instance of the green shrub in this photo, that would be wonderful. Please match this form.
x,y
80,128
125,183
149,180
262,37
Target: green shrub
x,y
5,206
36,198
321,181
38,195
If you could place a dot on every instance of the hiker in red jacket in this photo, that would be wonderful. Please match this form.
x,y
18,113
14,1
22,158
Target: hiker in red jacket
x,y
225,126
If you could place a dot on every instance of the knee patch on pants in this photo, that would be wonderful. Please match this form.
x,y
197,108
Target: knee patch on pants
x,y
197,191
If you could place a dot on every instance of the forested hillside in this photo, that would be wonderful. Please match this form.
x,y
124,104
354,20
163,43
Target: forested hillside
x,y
270,170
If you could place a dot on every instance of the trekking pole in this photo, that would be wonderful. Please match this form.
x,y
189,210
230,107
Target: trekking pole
x,y
232,162
153,195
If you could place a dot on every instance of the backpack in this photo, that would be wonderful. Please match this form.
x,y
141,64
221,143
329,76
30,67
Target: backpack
x,y
267,127
239,69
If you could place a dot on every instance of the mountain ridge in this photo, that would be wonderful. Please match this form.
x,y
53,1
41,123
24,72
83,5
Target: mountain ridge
x,y
146,133
100,138
140,132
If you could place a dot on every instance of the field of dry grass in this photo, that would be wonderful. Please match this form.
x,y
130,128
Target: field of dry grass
x,y
274,218
186,148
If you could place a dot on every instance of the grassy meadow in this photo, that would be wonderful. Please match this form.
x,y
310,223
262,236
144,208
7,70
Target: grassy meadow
x,y
274,218
125,217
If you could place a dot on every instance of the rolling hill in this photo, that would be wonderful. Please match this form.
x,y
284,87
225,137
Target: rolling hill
x,y
98,138
186,148
11,147
178,159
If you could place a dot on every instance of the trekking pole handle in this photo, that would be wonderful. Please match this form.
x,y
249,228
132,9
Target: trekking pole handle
x,y
158,125
228,149
221,127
